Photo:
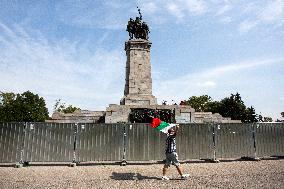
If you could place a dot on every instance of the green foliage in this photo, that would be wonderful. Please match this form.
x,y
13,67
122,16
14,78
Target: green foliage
x,y
280,120
232,107
235,108
251,116
61,107
199,103
27,107
259,118
267,119
6,106
213,107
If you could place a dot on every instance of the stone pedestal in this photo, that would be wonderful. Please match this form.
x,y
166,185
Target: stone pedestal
x,y
138,80
120,113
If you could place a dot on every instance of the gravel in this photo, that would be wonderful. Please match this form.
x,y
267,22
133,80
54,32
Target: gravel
x,y
236,174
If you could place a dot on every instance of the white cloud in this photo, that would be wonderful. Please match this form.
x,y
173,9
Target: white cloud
x,y
114,14
274,11
262,15
175,10
160,10
224,9
59,69
248,64
250,8
192,84
94,14
195,6
149,7
207,84
226,20
247,25
181,7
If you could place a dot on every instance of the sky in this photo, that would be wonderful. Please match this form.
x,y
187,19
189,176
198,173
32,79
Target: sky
x,y
74,50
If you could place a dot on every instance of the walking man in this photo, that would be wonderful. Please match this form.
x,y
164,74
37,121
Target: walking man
x,y
171,154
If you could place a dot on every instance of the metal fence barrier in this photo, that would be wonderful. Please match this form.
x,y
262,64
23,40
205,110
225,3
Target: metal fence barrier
x,y
269,139
46,142
84,142
234,140
99,142
11,142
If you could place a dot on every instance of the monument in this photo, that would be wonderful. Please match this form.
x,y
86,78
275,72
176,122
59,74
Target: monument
x,y
138,79
138,95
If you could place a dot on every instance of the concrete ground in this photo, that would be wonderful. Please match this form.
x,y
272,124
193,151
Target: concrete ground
x,y
235,174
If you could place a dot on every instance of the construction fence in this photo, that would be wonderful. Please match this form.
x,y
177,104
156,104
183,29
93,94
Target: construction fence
x,y
86,142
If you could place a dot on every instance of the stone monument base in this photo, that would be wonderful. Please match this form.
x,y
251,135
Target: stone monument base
x,y
120,113
141,100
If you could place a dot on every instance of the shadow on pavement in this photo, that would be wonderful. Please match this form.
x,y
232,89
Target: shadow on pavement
x,y
130,176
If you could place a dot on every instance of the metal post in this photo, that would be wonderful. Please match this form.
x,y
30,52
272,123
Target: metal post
x,y
23,144
123,162
20,164
75,143
254,140
214,144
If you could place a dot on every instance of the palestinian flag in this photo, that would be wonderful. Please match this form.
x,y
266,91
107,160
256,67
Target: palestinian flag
x,y
161,125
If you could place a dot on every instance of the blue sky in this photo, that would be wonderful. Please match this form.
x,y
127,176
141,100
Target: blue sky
x,y
74,50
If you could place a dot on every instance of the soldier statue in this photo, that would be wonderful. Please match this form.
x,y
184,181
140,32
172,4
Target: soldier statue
x,y
130,28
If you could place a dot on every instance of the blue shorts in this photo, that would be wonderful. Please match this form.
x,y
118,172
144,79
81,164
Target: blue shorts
x,y
172,159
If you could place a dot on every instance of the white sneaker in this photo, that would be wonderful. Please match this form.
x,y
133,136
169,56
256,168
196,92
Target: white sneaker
x,y
165,178
184,176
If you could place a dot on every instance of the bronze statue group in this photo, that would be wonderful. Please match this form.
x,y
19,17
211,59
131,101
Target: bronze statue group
x,y
137,28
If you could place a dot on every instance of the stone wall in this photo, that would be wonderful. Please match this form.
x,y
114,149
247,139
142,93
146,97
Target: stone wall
x,y
205,117
79,116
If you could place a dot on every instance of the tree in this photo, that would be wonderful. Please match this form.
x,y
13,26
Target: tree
x,y
260,118
61,107
27,107
6,98
214,107
199,103
267,119
281,120
6,106
233,107
250,115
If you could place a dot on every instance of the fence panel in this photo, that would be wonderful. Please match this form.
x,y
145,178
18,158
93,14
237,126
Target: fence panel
x,y
269,139
99,142
204,141
11,142
234,140
49,142
194,141
144,143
